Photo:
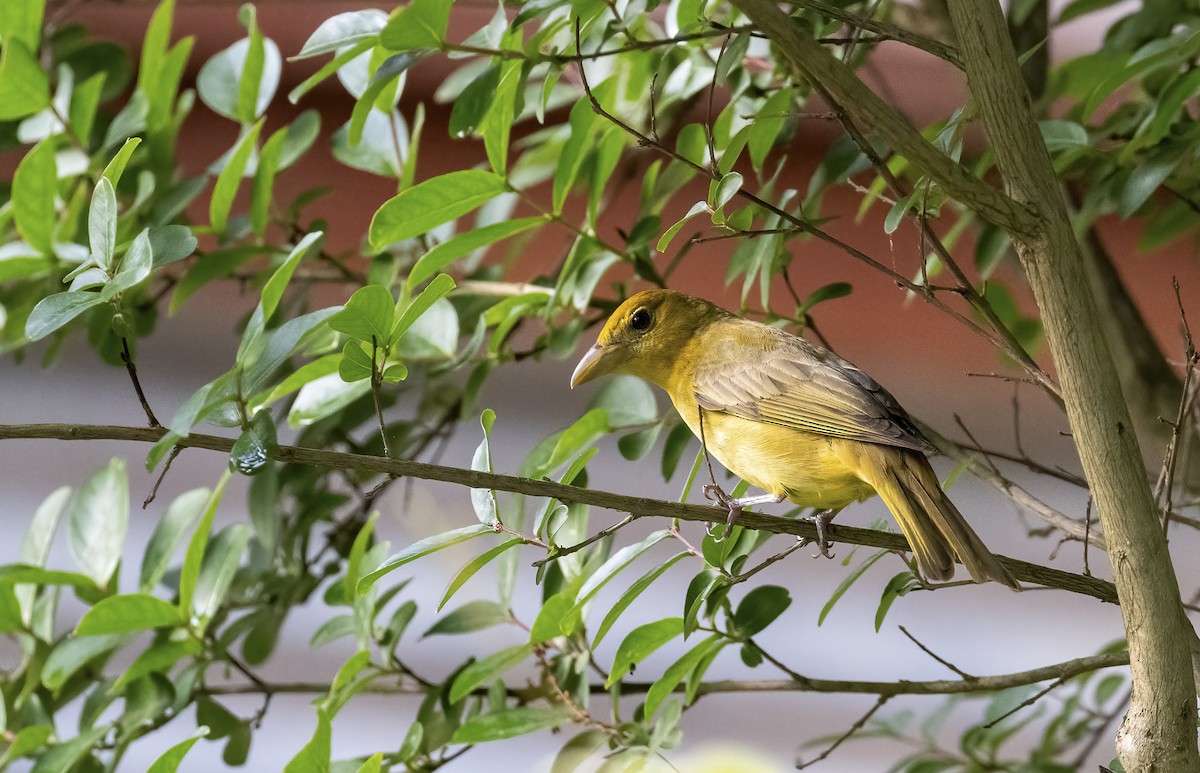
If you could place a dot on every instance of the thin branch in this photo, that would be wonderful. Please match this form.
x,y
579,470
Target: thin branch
x,y
883,30
858,724
1037,696
935,656
559,552
1166,481
158,481
640,506
127,358
980,684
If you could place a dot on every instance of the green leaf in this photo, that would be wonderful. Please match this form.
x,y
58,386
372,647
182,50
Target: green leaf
x,y
272,291
171,243
631,594
473,566
316,754
329,68
323,397
263,186
168,535
54,311
725,189
640,643
230,179
423,548
488,669
73,653
367,316
845,584
34,185
255,446
509,723
421,24
102,224
617,562
825,293
1063,135
344,29
135,264
437,289
898,586
578,750
470,617
252,70
496,126
669,235
132,612
194,557
678,671
116,167
628,400
374,763
389,70
455,247
63,757
428,204
484,500
759,609
1143,182
169,761
98,514
219,82
355,363
22,22
221,559
24,87
160,657
557,617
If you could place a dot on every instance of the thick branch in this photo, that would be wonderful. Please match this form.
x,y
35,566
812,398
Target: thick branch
x,y
1159,732
638,506
818,65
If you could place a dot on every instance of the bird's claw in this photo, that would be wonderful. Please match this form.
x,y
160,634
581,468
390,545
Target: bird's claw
x,y
821,522
720,499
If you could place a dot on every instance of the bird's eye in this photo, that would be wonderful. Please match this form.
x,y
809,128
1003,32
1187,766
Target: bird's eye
x,y
640,320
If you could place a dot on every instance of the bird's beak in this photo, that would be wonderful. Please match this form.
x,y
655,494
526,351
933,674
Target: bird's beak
x,y
599,361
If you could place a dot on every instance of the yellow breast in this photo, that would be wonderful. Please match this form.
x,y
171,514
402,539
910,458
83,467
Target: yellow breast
x,y
801,466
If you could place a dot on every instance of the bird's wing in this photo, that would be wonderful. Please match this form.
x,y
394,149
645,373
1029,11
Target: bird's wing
x,y
770,376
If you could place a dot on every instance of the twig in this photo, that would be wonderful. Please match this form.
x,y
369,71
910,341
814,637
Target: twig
x,y
1099,733
858,724
799,543
127,358
641,506
376,382
1166,481
883,30
557,552
158,481
1028,701
935,656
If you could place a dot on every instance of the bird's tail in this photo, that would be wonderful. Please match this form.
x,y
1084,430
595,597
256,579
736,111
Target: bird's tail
x,y
935,528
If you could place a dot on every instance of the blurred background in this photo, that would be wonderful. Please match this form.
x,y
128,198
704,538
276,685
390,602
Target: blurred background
x,y
921,356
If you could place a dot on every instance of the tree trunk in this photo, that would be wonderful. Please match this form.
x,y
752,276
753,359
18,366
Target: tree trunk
x,y
1159,732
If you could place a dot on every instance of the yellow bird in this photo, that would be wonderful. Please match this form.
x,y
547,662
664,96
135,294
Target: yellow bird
x,y
790,418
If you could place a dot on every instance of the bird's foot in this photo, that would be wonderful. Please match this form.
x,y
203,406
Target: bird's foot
x,y
721,499
821,522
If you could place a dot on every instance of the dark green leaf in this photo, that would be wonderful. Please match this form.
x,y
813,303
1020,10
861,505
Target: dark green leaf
x,y
315,756
230,179
470,617
473,566
367,315
759,609
631,594
170,760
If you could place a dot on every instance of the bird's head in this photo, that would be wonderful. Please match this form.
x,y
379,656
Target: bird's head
x,y
645,336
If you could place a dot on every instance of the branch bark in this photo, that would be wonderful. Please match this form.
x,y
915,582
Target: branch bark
x,y
637,506
1064,670
1159,732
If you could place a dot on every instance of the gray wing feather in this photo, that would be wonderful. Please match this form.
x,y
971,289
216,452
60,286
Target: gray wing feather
x,y
782,379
